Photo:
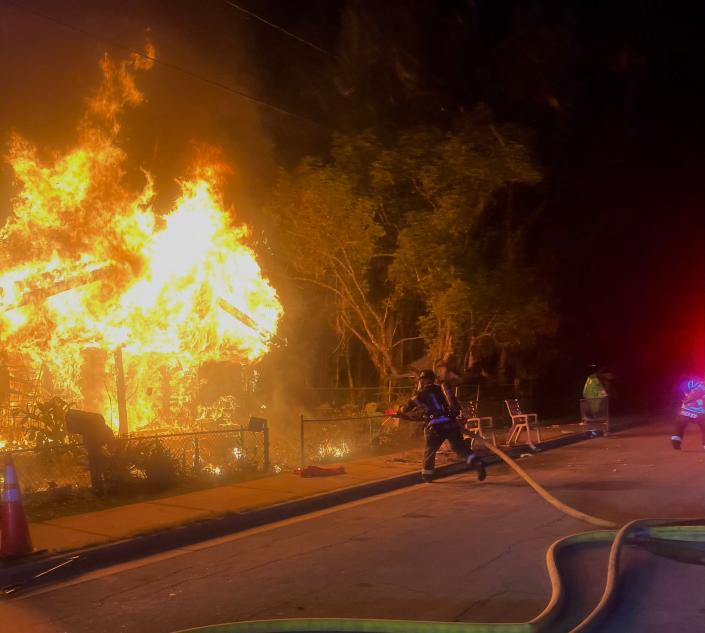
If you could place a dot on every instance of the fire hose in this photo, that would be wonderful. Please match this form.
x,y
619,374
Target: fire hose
x,y
673,538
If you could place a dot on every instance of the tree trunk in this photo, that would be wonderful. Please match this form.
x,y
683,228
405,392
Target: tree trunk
x,y
348,367
509,232
503,365
469,356
448,348
337,370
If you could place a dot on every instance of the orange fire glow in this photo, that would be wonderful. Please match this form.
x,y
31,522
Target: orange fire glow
x,y
87,265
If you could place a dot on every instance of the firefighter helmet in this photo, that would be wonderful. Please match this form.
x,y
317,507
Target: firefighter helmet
x,y
427,376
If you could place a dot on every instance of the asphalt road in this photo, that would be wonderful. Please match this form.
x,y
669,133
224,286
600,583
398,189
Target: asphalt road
x,y
455,550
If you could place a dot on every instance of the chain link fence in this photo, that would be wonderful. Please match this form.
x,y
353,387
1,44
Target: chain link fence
x,y
358,401
51,468
150,462
336,439
215,452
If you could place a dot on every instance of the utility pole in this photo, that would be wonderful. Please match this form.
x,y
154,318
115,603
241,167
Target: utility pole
x,y
123,429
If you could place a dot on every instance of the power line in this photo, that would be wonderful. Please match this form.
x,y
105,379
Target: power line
x,y
279,28
171,66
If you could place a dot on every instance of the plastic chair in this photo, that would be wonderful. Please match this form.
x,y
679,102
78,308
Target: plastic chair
x,y
521,422
475,423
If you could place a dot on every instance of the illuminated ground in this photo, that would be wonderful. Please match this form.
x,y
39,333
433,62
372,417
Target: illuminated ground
x,y
454,550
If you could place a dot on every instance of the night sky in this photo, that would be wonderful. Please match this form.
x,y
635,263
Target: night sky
x,y
613,91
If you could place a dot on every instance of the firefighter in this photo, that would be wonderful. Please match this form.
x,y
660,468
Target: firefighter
x,y
439,410
692,410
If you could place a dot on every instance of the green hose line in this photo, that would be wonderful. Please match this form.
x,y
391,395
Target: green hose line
x,y
360,626
673,538
655,529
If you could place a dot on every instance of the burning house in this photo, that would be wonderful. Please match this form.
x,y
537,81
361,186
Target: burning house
x,y
108,303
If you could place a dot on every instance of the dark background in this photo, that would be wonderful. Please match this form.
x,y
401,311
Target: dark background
x,y
613,90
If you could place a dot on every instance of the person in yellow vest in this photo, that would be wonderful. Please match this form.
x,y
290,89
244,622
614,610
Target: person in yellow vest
x,y
594,387
594,390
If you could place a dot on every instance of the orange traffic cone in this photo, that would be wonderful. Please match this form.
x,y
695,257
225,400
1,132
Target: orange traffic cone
x,y
14,539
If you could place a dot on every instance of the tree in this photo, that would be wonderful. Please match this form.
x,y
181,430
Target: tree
x,y
458,249
424,228
329,235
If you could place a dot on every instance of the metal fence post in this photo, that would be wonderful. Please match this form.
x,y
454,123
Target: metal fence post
x,y
265,446
301,439
96,466
196,454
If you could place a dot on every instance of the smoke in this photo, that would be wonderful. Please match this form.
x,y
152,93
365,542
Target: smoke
x,y
48,73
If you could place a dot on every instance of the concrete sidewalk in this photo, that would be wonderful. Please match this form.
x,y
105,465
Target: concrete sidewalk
x,y
93,528
123,522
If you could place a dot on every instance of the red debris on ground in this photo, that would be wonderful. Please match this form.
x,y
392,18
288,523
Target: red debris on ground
x,y
317,471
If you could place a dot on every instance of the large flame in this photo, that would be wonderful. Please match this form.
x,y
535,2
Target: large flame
x,y
88,266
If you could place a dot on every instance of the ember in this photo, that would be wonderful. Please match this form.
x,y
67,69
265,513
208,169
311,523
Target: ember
x,y
328,449
91,273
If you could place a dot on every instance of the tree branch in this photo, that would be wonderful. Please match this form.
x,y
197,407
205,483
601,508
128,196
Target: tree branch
x,y
408,338
498,136
365,342
358,286
355,306
321,284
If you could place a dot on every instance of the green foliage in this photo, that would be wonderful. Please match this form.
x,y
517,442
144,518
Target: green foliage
x,y
422,230
453,192
139,463
449,310
329,234
502,309
445,185
327,227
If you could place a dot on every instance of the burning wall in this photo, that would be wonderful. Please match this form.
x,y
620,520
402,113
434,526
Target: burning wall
x,y
88,267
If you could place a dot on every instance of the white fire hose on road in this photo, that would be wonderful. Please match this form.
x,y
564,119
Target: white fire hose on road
x,y
679,539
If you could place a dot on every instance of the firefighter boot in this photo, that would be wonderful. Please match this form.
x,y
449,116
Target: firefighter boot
x,y
481,471
475,462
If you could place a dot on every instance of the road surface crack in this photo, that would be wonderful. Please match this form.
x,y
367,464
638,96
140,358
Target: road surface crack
x,y
476,603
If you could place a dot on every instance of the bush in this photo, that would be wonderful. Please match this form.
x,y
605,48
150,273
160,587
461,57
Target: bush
x,y
144,464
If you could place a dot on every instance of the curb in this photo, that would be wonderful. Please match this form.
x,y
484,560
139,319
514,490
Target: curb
x,y
42,569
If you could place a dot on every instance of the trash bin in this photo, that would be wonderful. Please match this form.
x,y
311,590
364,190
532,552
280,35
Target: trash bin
x,y
595,410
